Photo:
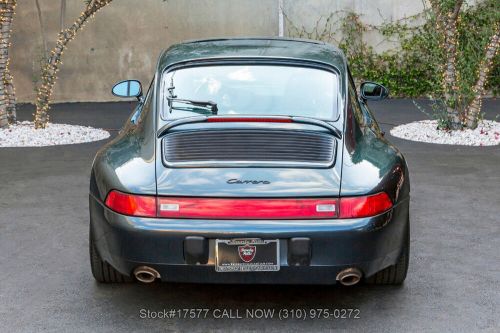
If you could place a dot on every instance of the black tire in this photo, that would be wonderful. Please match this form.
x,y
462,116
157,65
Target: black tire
x,y
396,274
101,270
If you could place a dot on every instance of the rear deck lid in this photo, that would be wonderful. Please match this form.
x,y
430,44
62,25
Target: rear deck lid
x,y
248,160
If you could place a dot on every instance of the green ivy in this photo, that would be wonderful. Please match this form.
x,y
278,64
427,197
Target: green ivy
x,y
413,68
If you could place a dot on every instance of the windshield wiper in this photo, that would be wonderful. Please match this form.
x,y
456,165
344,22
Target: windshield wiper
x,y
212,106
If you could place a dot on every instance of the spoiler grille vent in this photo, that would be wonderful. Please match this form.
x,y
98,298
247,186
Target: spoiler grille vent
x,y
248,147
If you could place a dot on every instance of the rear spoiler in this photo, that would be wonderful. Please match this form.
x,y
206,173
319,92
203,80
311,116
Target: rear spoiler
x,y
264,119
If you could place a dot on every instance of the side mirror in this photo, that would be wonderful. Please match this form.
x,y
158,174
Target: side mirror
x,y
373,91
127,88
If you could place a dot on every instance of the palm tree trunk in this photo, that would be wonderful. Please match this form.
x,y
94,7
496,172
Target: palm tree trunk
x,y
450,74
447,25
50,69
474,108
10,93
4,58
7,101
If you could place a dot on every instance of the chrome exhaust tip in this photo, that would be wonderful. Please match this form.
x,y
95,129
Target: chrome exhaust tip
x,y
349,276
146,274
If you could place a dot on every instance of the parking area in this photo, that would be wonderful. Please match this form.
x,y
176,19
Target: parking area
x,y
453,282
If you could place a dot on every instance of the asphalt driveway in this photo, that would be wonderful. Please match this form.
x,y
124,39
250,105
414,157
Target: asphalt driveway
x,y
46,285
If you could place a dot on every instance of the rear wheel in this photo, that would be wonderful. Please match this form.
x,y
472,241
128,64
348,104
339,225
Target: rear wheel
x,y
396,274
101,270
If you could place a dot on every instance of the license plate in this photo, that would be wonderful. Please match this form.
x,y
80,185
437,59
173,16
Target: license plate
x,y
247,255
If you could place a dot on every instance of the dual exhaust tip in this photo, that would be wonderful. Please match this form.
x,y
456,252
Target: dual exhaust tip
x,y
347,277
146,274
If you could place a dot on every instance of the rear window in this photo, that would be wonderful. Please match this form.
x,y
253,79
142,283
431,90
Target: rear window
x,y
250,90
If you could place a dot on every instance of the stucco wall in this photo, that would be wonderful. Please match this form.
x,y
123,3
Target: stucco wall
x,y
126,37
372,12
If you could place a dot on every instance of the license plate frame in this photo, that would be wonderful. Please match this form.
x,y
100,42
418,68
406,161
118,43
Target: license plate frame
x,y
247,255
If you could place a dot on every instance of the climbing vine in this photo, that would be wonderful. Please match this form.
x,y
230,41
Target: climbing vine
x,y
412,67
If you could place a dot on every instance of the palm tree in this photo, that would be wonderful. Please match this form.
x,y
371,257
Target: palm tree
x,y
447,13
51,67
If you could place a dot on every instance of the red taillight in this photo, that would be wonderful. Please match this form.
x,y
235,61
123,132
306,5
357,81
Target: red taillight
x,y
131,204
249,120
365,206
246,208
210,208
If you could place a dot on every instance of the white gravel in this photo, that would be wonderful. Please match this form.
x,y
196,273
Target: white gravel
x,y
24,134
486,134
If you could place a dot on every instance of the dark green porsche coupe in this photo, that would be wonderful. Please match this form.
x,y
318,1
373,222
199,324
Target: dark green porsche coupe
x,y
250,160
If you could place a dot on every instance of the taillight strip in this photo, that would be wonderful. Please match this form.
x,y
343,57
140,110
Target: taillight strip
x,y
248,208
211,208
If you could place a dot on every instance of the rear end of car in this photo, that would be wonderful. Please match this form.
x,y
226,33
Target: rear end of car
x,y
259,224
248,197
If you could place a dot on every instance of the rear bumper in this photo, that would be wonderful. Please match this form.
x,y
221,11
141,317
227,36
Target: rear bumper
x,y
370,244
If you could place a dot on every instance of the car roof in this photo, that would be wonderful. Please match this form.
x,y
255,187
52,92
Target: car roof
x,y
255,47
